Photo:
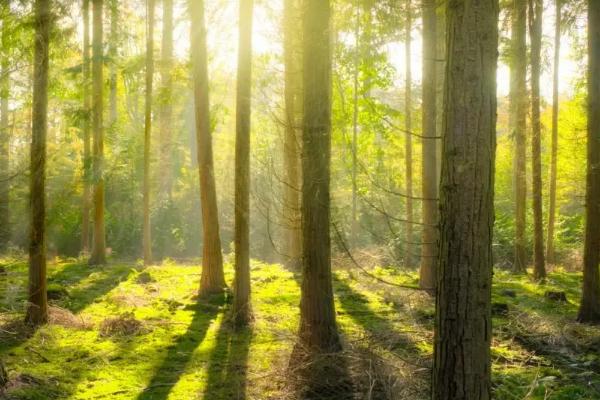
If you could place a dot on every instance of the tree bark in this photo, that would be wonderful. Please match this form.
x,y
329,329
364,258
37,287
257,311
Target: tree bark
x,y
518,124
589,310
85,208
318,329
37,307
291,146
212,279
408,248
535,31
550,257
241,289
429,191
4,134
98,255
463,328
147,238
165,103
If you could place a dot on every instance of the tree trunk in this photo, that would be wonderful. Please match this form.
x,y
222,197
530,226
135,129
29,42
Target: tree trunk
x,y
518,124
147,239
554,151
241,288
291,146
212,279
112,55
429,183
4,135
85,209
535,31
355,114
318,329
98,255
408,145
589,311
440,82
37,307
165,103
463,328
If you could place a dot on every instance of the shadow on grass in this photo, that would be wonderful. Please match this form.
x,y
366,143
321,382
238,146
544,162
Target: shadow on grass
x,y
228,364
180,353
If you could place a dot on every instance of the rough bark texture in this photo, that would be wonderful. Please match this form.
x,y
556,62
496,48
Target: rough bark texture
x,y
165,103
4,135
589,310
408,248
37,306
318,329
85,208
463,329
535,31
212,279
146,232
554,150
291,146
518,124
241,288
98,255
429,236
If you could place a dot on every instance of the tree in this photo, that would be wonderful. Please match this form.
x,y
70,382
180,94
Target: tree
x,y
241,287
536,9
85,209
318,329
4,132
518,125
589,310
113,41
462,365
212,279
554,150
37,307
291,145
98,255
165,109
408,146
147,239
429,149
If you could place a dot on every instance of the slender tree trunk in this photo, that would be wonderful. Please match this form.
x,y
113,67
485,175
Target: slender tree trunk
x,y
98,255
429,150
241,289
212,279
37,308
535,30
408,145
440,81
291,146
4,135
165,103
355,114
147,238
589,311
112,54
318,329
554,151
463,327
85,209
518,124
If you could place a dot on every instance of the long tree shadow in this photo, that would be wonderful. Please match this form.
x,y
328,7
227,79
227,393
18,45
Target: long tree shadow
x,y
228,364
180,353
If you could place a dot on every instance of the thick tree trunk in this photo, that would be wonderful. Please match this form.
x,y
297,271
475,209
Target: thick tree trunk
x,y
463,328
98,255
241,289
165,103
318,329
291,145
554,151
4,136
37,307
589,311
112,54
85,208
146,232
212,279
429,191
535,29
518,124
409,240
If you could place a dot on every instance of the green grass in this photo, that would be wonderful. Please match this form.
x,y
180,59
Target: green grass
x,y
182,348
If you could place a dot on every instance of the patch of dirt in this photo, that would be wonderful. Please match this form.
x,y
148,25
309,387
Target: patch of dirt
x,y
123,325
63,317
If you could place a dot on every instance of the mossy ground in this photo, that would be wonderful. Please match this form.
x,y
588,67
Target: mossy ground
x,y
127,332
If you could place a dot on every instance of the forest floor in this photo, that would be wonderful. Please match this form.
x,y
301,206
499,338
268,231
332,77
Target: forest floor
x,y
127,332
